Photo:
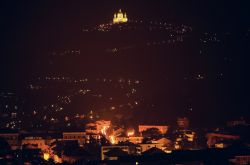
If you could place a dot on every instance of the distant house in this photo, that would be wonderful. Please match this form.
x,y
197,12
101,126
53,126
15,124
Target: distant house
x,y
166,143
115,153
79,136
135,139
92,136
153,151
145,147
100,124
98,127
163,140
121,139
105,149
133,149
217,139
36,142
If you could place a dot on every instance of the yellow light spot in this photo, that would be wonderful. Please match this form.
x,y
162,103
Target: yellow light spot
x,y
104,130
57,159
112,139
46,156
131,133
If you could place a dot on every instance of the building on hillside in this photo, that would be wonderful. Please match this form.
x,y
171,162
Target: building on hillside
x,y
145,147
35,142
105,149
218,139
120,17
98,127
119,139
79,136
102,125
91,128
135,139
114,154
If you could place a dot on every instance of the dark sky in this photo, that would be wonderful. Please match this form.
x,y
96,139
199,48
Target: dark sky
x,y
24,23
31,26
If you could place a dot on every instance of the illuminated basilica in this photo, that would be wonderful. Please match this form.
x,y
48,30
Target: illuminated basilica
x,y
120,17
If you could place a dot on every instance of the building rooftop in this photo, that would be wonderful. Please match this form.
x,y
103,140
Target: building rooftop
x,y
116,152
153,151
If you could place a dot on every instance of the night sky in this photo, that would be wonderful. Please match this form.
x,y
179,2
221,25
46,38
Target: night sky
x,y
31,29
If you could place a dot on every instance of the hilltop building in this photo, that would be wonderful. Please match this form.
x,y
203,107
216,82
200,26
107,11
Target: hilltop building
x,y
120,17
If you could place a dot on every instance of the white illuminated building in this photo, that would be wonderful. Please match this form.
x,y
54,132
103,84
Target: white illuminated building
x,y
120,17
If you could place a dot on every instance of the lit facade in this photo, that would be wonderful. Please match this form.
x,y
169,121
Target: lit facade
x,y
79,136
99,127
37,142
120,17
91,128
102,125
135,139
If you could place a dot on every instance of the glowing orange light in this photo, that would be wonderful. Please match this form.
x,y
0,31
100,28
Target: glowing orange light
x,y
46,156
57,159
130,133
104,130
112,139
